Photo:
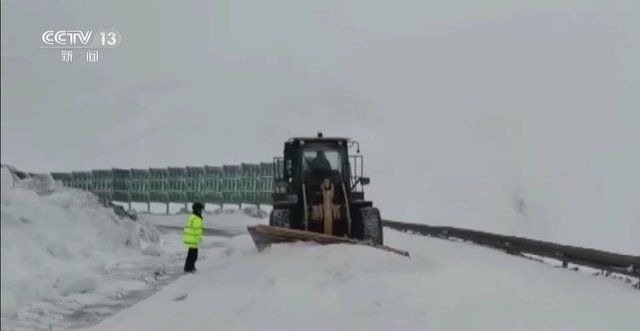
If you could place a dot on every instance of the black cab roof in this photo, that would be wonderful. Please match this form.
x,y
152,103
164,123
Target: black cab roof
x,y
319,138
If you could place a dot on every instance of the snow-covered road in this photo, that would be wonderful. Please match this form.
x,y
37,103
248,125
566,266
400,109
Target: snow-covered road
x,y
443,286
69,263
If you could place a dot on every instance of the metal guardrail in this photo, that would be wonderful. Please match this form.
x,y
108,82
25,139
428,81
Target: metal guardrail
x,y
613,262
244,183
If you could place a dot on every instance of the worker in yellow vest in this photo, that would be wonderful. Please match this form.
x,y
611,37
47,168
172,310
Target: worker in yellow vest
x,y
193,229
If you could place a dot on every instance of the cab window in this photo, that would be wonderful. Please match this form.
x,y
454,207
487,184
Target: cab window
x,y
310,155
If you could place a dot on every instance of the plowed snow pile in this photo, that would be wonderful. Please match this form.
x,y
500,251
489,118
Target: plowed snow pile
x,y
58,241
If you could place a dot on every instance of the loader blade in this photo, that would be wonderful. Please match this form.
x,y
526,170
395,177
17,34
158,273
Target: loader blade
x,y
263,236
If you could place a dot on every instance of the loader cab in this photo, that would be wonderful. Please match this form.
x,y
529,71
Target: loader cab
x,y
323,158
319,157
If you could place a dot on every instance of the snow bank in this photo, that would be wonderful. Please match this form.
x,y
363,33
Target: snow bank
x,y
57,241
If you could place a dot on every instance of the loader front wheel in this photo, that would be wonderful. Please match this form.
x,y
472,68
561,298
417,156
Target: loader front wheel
x,y
371,225
280,218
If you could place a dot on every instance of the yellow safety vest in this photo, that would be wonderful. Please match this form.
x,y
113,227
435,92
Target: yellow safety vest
x,y
193,231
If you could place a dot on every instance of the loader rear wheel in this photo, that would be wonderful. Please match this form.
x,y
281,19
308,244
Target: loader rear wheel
x,y
371,225
280,218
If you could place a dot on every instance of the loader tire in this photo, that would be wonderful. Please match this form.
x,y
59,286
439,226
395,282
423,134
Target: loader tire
x,y
280,218
371,225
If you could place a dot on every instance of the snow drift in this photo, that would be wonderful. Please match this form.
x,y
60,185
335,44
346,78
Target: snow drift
x,y
57,241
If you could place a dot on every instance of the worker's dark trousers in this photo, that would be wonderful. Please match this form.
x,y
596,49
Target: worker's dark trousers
x,y
192,257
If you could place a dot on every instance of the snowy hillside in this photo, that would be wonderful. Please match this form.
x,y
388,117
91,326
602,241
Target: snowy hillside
x,y
464,111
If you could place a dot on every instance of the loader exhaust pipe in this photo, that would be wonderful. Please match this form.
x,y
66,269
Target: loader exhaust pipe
x,y
305,207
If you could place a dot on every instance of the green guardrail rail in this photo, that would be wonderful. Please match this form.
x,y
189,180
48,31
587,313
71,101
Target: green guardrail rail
x,y
246,183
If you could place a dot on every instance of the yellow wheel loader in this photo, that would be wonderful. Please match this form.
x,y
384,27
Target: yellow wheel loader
x,y
318,196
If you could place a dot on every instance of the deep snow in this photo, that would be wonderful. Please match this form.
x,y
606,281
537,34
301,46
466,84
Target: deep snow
x,y
443,286
288,287
59,242
67,261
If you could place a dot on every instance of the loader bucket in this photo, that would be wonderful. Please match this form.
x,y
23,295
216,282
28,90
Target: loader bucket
x,y
264,236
